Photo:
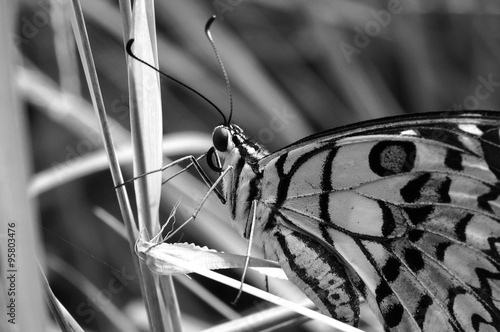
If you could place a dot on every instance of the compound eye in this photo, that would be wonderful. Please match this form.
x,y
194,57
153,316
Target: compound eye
x,y
220,138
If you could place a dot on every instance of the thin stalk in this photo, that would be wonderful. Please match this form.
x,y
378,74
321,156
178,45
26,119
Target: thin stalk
x,y
146,126
146,281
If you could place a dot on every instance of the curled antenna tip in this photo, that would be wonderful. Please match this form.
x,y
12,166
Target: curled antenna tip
x,y
226,78
208,25
128,47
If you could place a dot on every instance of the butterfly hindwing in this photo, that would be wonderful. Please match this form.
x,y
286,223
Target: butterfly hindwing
x,y
405,211
316,271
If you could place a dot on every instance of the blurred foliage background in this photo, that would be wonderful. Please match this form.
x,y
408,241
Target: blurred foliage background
x,y
296,68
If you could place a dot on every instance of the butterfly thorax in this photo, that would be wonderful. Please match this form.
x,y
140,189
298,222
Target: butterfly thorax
x,y
241,185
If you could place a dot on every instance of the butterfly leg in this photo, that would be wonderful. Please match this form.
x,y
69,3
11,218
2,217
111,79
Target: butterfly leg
x,y
194,162
249,248
199,169
203,200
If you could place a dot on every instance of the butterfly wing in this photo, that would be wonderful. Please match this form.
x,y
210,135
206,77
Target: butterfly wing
x,y
406,211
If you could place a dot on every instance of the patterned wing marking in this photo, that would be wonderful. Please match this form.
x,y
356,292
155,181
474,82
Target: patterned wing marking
x,y
376,277
480,139
347,211
461,243
378,292
434,265
412,289
436,188
479,281
442,283
308,278
428,291
391,157
474,230
422,305
430,157
318,273
452,251
411,215
490,144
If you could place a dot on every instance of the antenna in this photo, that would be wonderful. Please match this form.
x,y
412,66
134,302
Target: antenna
x,y
226,78
128,47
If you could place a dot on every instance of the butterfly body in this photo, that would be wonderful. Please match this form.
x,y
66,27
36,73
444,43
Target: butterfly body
x,y
404,212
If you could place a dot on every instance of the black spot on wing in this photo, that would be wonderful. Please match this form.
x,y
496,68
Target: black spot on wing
x,y
490,143
392,157
393,315
453,160
391,269
414,259
419,214
411,192
484,200
444,191
461,226
382,291
414,235
427,188
441,250
389,221
391,311
422,307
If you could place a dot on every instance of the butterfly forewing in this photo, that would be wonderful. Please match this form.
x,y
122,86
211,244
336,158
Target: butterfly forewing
x,y
404,212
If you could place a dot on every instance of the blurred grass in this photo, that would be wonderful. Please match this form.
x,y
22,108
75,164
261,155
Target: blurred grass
x,y
290,78
21,284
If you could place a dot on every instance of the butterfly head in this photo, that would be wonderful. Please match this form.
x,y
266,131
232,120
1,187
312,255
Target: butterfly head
x,y
231,144
222,139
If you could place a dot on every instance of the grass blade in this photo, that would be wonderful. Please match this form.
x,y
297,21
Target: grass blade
x,y
146,125
62,317
20,286
147,281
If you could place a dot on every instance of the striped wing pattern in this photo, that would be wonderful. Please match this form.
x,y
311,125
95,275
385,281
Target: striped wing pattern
x,y
405,213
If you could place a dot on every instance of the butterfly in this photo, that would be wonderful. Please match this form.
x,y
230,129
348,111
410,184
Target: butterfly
x,y
403,212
